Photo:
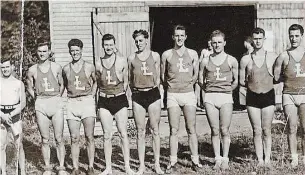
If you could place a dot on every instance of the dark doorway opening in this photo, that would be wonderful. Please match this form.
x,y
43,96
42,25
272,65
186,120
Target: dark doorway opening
x,y
235,21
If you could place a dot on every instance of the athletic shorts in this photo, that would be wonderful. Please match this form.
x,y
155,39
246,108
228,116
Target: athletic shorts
x,y
260,100
146,98
181,99
296,100
113,104
218,99
79,108
242,95
49,106
16,126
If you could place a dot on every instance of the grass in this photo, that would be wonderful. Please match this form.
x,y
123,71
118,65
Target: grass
x,y
242,155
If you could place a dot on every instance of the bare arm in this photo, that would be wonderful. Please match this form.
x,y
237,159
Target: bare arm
x,y
157,66
163,66
94,81
201,75
60,80
235,73
278,66
30,82
129,59
242,70
196,66
125,74
22,103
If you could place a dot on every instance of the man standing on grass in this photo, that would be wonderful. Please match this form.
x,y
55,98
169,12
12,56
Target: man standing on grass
x,y
12,101
179,71
219,75
80,81
112,73
256,74
291,65
45,85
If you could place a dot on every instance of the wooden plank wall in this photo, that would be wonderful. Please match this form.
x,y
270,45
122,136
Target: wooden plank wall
x,y
72,19
277,17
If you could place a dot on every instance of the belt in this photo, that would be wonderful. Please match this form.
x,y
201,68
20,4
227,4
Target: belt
x,y
9,106
144,89
102,94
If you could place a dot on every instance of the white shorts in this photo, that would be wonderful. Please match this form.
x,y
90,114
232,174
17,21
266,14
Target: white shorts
x,y
49,106
296,100
218,99
14,128
80,107
242,95
181,99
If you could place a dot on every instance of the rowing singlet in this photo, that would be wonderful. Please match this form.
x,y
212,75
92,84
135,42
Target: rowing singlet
x,y
219,78
143,72
110,84
180,73
46,84
78,83
294,76
259,79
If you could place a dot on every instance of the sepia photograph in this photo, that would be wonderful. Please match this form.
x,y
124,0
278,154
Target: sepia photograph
x,y
144,87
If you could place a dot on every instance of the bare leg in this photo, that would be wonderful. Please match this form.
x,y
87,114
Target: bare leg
x,y
174,121
302,122
3,143
267,117
21,156
154,111
74,127
89,124
58,125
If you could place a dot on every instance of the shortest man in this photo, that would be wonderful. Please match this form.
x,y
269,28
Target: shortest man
x,y
80,82
12,102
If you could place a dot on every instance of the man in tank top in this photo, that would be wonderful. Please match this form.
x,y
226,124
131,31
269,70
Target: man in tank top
x,y
257,75
80,82
12,101
219,75
179,72
112,76
144,78
291,65
45,85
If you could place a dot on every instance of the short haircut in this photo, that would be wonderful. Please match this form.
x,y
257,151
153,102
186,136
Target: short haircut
x,y
217,33
179,27
43,42
258,30
296,27
5,59
249,39
75,42
137,33
108,36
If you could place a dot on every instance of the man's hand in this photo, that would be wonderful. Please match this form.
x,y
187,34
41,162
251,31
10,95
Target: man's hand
x,y
6,118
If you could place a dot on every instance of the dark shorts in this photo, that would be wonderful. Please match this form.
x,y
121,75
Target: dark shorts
x,y
113,104
7,109
146,98
261,100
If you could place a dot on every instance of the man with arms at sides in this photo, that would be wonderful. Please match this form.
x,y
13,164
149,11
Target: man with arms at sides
x,y
12,100
80,82
199,92
45,85
291,65
256,73
144,78
112,75
179,71
220,72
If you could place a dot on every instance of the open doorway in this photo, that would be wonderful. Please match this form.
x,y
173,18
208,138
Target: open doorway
x,y
236,22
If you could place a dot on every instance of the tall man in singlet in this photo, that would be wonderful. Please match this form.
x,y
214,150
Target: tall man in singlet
x,y
112,76
291,64
179,72
12,101
144,78
256,73
45,85
80,82
219,75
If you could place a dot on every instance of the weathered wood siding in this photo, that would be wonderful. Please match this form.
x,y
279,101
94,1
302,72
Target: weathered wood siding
x,y
277,17
72,19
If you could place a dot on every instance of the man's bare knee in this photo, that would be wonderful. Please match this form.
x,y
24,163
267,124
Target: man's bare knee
x,y
74,139
257,132
45,141
266,132
59,139
215,131
90,139
107,136
141,132
154,131
174,131
225,131
292,129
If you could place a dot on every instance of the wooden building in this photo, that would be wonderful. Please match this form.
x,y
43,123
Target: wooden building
x,y
89,20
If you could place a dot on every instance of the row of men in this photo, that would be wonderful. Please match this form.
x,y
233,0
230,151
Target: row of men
x,y
144,71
